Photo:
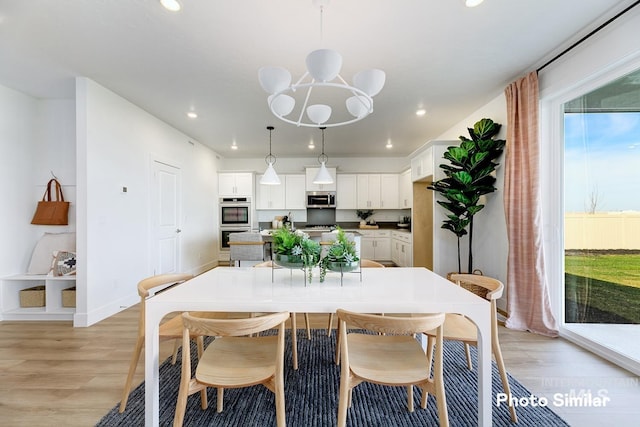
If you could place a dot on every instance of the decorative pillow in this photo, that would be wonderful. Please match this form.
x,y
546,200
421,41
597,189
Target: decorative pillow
x,y
50,242
64,263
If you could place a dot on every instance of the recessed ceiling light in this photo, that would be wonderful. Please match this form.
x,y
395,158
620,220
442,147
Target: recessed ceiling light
x,y
172,5
192,115
421,112
472,3
234,146
389,144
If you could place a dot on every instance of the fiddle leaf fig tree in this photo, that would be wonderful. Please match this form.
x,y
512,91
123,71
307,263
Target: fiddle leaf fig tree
x,y
468,176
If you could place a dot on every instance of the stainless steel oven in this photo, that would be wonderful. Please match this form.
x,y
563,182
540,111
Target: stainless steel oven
x,y
235,212
224,235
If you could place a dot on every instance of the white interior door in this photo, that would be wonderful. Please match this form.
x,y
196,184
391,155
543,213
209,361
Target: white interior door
x,y
165,218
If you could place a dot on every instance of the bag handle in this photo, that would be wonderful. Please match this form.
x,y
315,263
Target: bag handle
x,y
46,197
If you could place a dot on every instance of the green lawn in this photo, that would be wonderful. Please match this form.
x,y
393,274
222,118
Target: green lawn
x,y
602,288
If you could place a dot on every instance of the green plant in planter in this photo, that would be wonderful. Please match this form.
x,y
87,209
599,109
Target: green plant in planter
x,y
298,247
341,252
364,214
469,176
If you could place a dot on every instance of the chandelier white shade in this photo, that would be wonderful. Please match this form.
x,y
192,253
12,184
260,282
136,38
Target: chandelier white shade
x,y
322,75
270,177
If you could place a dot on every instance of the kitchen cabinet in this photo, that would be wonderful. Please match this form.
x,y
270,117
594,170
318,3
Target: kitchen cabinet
x,y
376,244
405,190
270,196
53,308
422,165
295,197
289,194
235,184
401,248
377,191
347,190
311,174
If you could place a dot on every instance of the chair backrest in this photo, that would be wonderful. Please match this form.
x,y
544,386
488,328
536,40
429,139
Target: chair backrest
x,y
160,280
392,325
232,327
246,246
484,286
367,263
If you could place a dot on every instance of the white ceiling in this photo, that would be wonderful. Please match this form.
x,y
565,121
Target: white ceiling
x,y
437,54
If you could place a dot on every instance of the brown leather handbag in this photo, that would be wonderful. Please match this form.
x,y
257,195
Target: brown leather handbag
x,y
52,212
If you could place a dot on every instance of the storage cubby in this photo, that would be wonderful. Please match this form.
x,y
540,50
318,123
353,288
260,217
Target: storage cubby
x,y
52,310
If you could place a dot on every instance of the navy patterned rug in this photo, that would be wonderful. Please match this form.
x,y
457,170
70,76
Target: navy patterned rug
x,y
312,397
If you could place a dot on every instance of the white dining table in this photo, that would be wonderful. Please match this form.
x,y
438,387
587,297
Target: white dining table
x,y
378,290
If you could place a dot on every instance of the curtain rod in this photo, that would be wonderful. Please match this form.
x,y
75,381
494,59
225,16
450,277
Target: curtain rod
x,y
609,21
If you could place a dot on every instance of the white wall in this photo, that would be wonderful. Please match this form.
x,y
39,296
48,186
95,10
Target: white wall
x,y
116,143
18,113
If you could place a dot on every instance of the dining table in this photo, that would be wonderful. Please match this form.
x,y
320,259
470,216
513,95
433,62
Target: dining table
x,y
372,290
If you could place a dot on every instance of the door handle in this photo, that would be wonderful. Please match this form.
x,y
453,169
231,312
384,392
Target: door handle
x,y
178,231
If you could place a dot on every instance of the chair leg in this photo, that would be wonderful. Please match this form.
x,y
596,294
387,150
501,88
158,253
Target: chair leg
x,y
176,346
337,357
468,353
344,400
330,324
132,371
220,400
410,398
294,341
280,407
505,381
306,323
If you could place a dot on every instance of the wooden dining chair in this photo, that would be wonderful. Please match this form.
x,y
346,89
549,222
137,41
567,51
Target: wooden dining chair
x,y
234,359
364,263
394,358
294,323
459,328
169,330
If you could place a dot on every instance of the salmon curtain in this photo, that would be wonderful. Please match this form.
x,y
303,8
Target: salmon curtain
x,y
527,291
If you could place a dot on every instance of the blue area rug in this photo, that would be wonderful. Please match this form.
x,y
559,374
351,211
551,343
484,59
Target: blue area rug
x,y
312,397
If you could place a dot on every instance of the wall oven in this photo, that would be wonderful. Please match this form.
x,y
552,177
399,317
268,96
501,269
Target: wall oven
x,y
235,212
235,217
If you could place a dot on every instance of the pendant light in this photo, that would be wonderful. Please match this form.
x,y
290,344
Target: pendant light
x,y
323,176
270,176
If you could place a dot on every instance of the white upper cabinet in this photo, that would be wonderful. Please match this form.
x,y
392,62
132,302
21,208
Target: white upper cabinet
x,y
295,197
270,196
235,184
311,174
405,190
346,192
422,165
377,191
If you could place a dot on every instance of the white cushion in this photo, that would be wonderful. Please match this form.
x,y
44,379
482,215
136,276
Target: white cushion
x,y
46,246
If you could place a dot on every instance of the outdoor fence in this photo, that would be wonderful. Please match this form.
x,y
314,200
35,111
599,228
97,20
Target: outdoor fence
x,y
602,231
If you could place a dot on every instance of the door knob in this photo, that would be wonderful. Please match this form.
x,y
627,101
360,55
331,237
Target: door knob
x,y
178,231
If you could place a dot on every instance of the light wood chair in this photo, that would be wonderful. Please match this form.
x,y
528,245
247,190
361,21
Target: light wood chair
x,y
294,324
459,328
364,263
233,359
171,329
395,358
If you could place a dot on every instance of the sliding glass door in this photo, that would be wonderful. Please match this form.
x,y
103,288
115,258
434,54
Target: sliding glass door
x,y
602,213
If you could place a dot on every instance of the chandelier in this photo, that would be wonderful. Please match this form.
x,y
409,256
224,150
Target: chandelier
x,y
322,75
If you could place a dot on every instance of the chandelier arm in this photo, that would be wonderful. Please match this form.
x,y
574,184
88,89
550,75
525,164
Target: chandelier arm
x,y
306,101
295,86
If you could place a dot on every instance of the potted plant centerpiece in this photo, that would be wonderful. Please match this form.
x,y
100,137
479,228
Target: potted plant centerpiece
x,y
294,249
364,214
341,256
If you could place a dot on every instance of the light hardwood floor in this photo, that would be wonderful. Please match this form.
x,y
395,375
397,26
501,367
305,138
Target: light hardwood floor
x,y
54,374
